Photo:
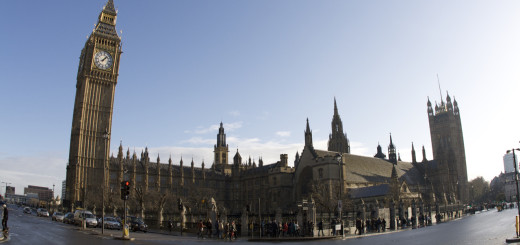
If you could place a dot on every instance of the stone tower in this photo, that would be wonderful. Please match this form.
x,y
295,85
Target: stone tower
x,y
338,140
221,149
92,118
448,148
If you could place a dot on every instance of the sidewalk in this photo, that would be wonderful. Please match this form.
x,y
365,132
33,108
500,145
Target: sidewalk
x,y
289,239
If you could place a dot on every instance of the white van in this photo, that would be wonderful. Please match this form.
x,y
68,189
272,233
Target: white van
x,y
79,215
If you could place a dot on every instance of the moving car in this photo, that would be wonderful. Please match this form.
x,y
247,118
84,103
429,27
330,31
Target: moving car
x,y
42,212
27,210
79,215
68,218
136,224
112,223
58,216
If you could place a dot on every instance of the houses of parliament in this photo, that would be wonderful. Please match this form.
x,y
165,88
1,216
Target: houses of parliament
x,y
236,183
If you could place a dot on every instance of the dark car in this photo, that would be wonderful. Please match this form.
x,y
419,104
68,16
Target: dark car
x,y
68,218
136,224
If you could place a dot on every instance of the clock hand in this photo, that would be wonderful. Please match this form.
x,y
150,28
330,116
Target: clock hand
x,y
104,58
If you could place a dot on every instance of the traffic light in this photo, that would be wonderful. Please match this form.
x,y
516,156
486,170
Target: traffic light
x,y
125,190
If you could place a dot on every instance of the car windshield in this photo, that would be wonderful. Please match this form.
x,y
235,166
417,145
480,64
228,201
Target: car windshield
x,y
58,213
43,210
110,219
88,215
136,220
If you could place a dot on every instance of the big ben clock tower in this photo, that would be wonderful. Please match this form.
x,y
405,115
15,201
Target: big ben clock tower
x,y
92,119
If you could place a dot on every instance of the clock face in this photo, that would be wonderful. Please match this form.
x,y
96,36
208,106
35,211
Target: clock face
x,y
103,60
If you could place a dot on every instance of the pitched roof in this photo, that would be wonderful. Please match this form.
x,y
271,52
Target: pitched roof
x,y
362,169
371,191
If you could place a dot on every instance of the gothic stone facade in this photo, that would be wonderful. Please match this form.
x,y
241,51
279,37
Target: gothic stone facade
x,y
270,188
279,187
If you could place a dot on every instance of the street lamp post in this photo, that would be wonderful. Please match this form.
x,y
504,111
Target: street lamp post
x,y
516,182
339,157
5,193
105,137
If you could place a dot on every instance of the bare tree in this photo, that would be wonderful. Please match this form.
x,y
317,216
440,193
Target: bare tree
x,y
113,201
140,200
157,201
327,195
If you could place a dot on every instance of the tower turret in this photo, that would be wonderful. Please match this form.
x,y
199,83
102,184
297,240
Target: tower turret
x,y
424,155
221,149
181,169
338,140
308,135
237,159
414,159
379,153
449,106
170,173
158,177
392,156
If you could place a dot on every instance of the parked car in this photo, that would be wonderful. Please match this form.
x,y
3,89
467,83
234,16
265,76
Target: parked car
x,y
79,215
136,224
27,210
42,212
68,218
112,223
57,216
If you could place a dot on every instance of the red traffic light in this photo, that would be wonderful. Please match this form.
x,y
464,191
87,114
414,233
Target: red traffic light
x,y
127,183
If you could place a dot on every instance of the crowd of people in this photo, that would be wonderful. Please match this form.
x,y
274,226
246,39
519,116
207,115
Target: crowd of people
x,y
286,229
231,229
370,225
219,230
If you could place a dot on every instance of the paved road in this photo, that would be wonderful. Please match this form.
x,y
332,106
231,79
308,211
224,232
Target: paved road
x,y
489,227
486,228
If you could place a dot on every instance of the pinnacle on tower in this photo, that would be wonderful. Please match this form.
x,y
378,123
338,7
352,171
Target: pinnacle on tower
x,y
109,7
338,140
308,135
335,107
414,160
392,157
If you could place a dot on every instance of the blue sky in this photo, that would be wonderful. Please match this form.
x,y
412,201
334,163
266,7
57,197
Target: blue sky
x,y
262,68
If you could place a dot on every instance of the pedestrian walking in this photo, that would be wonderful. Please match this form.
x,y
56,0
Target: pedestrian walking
x,y
4,219
219,226
170,225
200,227
320,228
358,226
209,225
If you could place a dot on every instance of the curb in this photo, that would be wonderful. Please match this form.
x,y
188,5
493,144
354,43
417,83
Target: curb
x,y
290,239
512,240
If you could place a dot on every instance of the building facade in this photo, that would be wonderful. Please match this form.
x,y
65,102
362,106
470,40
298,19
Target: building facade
x,y
9,190
43,193
510,162
332,179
